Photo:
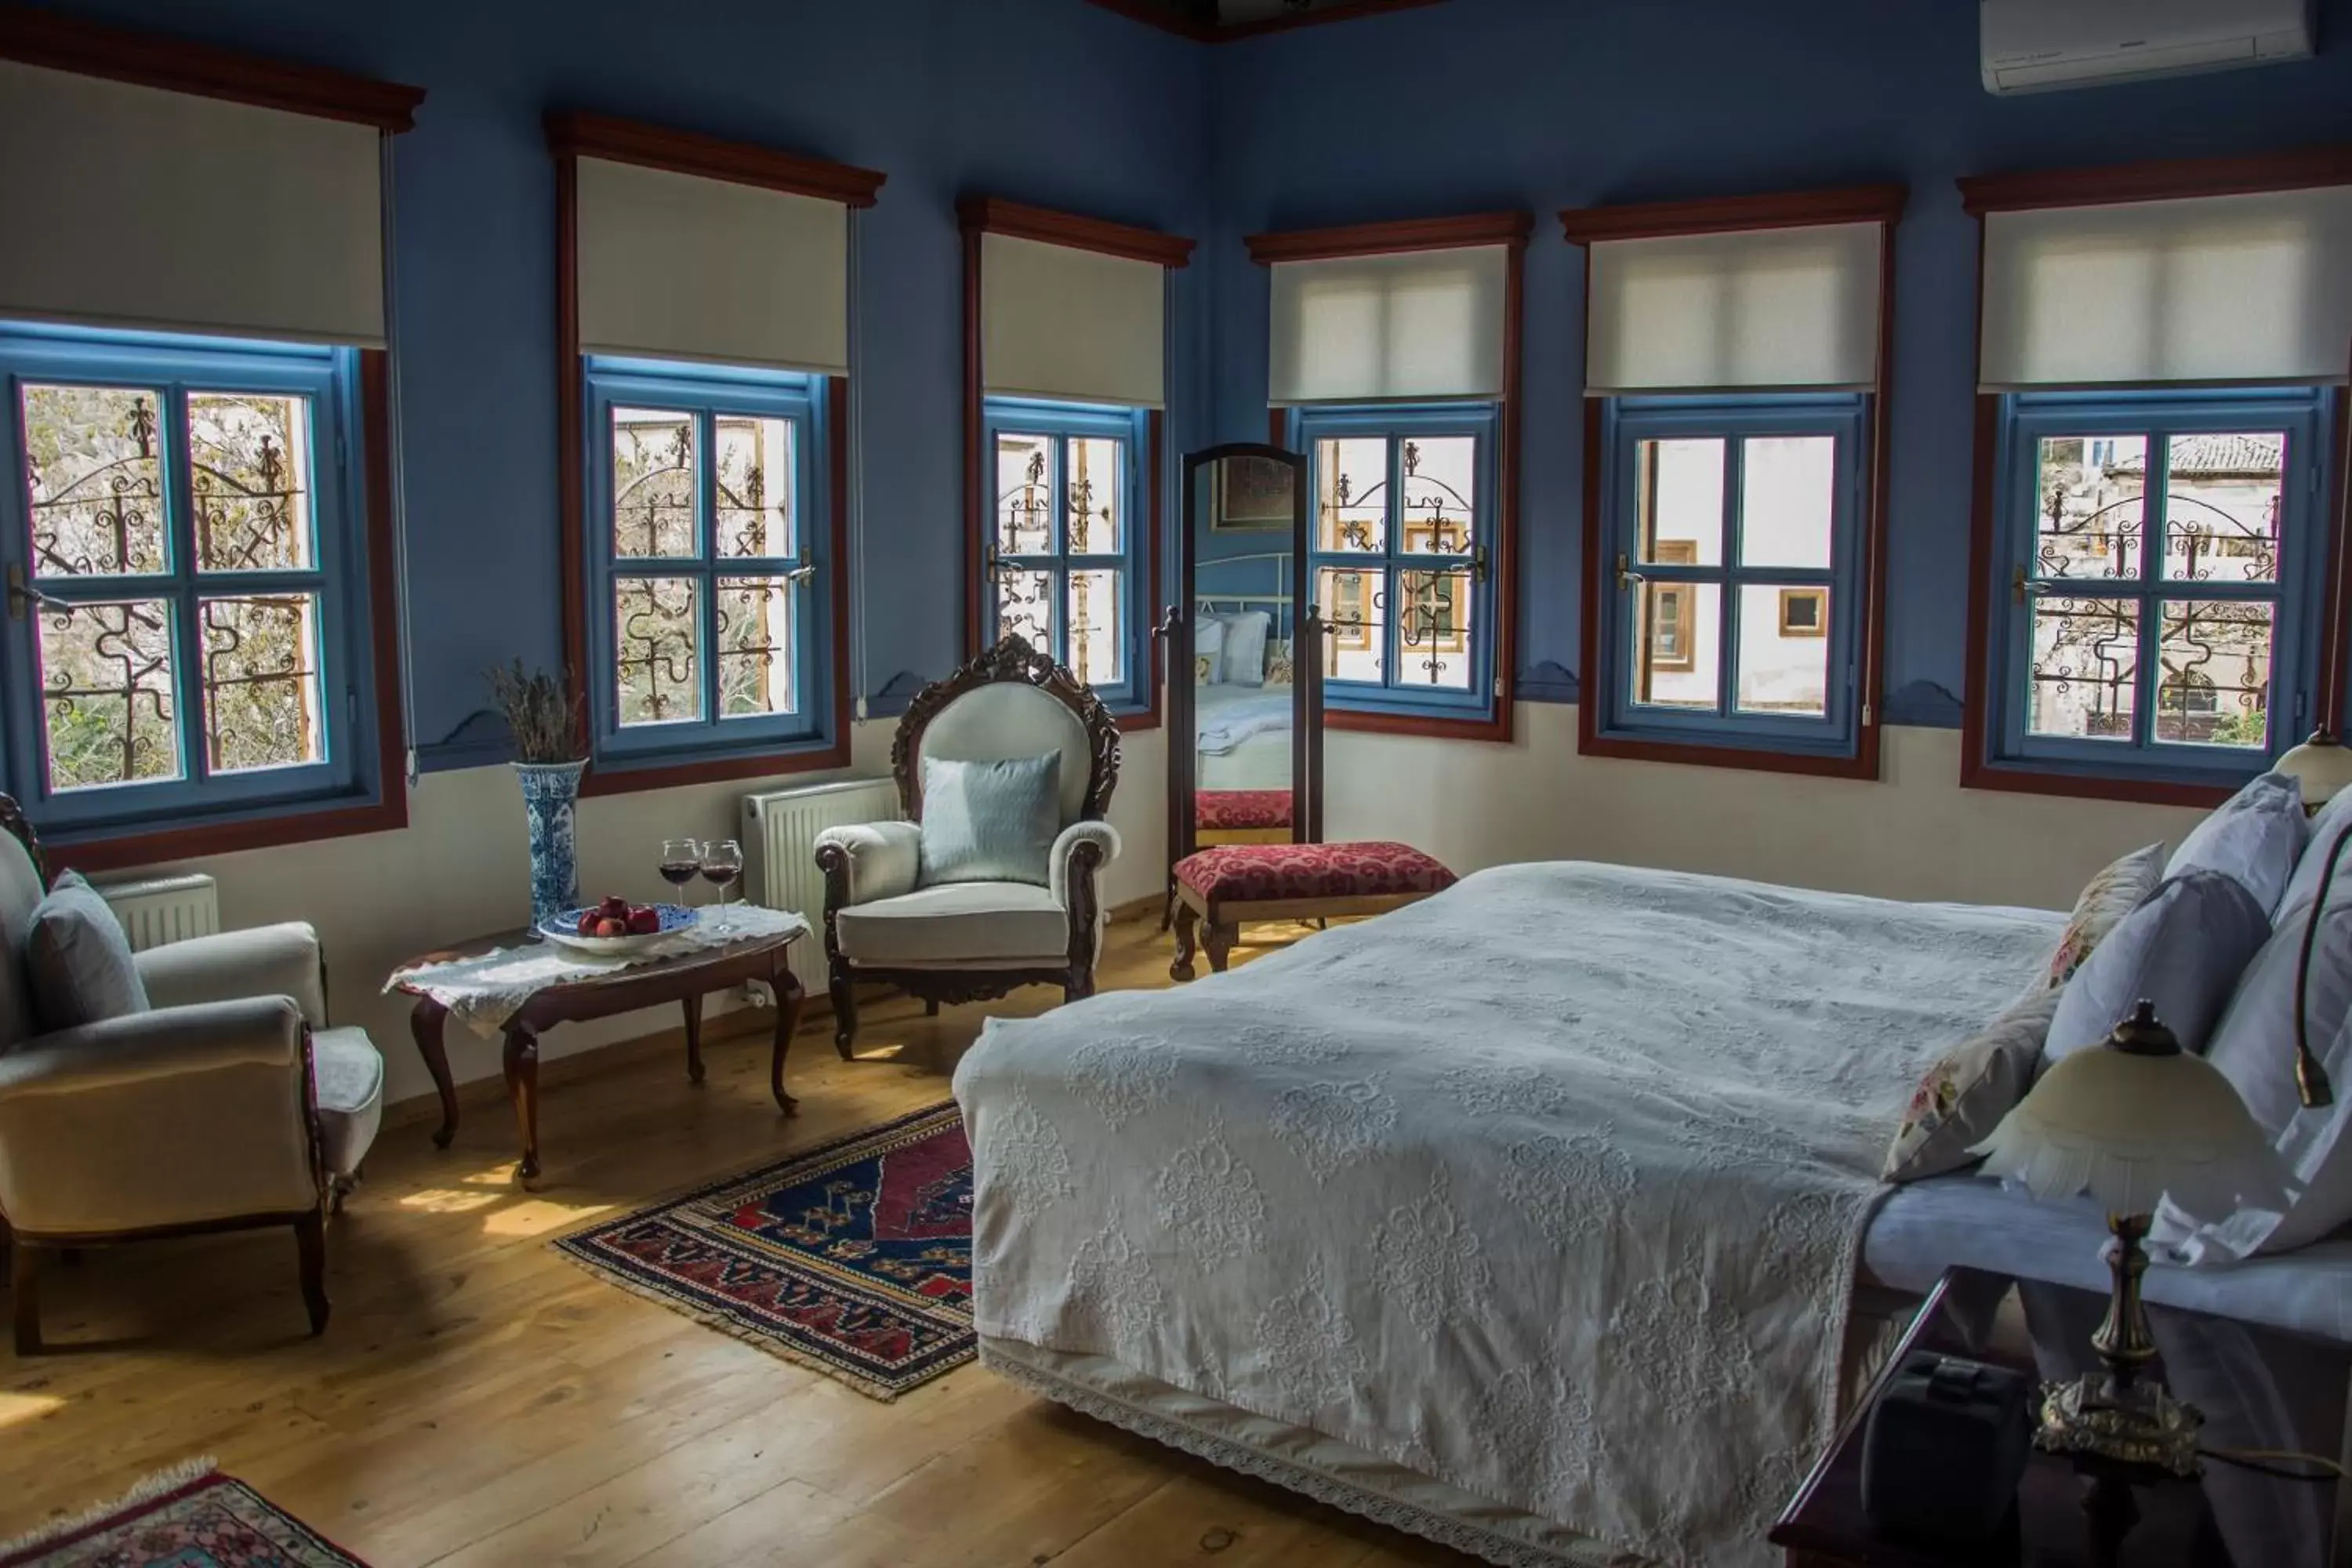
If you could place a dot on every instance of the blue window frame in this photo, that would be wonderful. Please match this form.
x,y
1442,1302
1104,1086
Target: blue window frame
x,y
2157,579
1069,533
1400,549
707,559
1731,608
188,631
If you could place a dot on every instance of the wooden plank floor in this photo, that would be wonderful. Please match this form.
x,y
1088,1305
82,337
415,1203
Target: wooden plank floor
x,y
479,1400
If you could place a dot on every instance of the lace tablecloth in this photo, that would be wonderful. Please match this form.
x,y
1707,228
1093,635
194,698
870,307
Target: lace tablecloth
x,y
486,990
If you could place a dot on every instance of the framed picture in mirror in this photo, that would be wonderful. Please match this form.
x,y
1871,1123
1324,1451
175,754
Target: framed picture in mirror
x,y
1254,496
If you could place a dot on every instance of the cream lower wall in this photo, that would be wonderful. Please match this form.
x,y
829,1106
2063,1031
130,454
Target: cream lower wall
x,y
461,869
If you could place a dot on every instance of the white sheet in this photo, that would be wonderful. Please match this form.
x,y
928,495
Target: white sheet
x,y
1229,715
1493,1187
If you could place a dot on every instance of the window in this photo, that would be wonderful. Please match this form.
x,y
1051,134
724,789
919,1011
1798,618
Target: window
x,y
707,597
2158,567
1066,557
184,548
1732,527
1400,546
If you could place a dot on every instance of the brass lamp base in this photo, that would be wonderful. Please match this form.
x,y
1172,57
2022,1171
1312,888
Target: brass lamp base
x,y
2143,1426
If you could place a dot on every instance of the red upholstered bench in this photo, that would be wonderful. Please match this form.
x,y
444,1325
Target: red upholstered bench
x,y
1221,887
1241,816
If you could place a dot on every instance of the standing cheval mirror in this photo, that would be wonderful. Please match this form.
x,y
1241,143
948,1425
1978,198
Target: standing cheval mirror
x,y
1244,685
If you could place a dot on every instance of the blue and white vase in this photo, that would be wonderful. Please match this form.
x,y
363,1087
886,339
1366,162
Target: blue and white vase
x,y
551,792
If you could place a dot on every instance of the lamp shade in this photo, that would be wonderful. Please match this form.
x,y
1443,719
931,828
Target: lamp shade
x,y
2323,765
2132,1120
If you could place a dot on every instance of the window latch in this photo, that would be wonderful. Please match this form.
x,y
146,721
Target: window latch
x,y
22,598
1626,575
1478,564
2017,586
800,571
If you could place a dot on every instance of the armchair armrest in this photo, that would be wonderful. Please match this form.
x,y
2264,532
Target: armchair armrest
x,y
168,1117
1101,840
262,961
874,860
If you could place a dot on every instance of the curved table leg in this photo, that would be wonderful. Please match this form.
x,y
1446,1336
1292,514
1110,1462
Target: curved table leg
x,y
522,1089
789,997
693,1006
424,1023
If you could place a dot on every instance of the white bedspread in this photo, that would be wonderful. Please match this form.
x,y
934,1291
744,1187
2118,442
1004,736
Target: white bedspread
x,y
1234,714
1551,1186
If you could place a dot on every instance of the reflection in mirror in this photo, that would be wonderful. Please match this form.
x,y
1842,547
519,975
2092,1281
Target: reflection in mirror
x,y
1245,644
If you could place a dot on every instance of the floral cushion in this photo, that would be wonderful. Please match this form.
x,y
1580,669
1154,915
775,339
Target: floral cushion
x,y
2106,899
1964,1095
1232,809
1260,873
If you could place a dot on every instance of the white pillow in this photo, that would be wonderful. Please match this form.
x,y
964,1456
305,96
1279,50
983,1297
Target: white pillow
x,y
2183,948
1245,648
2256,835
1209,650
2333,818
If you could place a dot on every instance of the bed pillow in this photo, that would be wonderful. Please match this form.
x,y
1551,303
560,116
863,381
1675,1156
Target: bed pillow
x,y
77,960
2183,948
1208,650
1962,1098
2256,835
2304,887
1245,648
2106,899
990,822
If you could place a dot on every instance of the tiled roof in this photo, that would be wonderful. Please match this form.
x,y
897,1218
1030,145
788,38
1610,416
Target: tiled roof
x,y
2218,457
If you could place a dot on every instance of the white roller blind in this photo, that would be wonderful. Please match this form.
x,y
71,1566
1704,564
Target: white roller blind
x,y
1756,309
1423,323
2215,288
135,206
1057,322
680,267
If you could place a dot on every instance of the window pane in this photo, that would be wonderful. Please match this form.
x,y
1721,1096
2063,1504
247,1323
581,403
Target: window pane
x,y
1024,604
249,473
1677,630
2222,498
1097,640
95,477
2090,521
1440,479
658,635
2085,668
1097,466
1435,630
1352,496
1681,499
106,694
261,682
1354,603
755,647
1024,495
653,483
1784,649
2213,681
753,511
1788,499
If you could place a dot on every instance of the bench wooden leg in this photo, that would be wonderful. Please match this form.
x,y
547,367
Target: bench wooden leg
x,y
1181,968
1219,937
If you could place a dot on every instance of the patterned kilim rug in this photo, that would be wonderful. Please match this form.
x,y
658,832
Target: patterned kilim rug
x,y
192,1516
853,1258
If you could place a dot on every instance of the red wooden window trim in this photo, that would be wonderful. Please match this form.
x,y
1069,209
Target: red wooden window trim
x,y
1881,204
178,65
571,137
1510,229
1160,16
2160,180
978,216
390,810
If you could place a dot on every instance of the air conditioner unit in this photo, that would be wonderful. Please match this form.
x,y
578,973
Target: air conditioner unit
x,y
2035,45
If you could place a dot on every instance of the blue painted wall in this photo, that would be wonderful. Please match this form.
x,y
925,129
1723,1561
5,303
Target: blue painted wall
x,y
1483,104
1044,101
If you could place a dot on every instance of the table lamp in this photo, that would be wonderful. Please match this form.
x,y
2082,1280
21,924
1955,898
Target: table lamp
x,y
2128,1120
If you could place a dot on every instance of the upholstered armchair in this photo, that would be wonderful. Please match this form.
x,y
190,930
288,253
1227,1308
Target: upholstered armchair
x,y
227,1104
968,941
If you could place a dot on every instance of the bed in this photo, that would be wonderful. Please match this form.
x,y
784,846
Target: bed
x,y
1475,1219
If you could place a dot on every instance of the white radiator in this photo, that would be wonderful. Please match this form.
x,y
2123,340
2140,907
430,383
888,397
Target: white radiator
x,y
780,830
157,909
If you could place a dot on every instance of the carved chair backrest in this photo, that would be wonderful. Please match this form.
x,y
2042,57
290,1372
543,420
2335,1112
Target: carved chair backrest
x,y
21,882
1011,702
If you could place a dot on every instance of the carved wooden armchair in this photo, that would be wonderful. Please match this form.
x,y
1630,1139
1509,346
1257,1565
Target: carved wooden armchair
x,y
968,941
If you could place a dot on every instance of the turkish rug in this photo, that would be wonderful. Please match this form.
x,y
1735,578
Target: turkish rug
x,y
853,1258
192,1516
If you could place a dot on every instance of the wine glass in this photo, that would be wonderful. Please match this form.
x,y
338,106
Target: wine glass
x,y
722,863
681,862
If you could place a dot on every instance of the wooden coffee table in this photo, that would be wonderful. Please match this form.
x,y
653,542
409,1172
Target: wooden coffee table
x,y
684,980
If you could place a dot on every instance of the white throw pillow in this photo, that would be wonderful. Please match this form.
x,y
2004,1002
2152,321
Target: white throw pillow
x,y
2183,948
2118,889
1209,650
1245,648
2333,818
2256,835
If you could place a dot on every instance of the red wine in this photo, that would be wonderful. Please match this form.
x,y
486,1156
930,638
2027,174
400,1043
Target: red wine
x,y
721,874
678,873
